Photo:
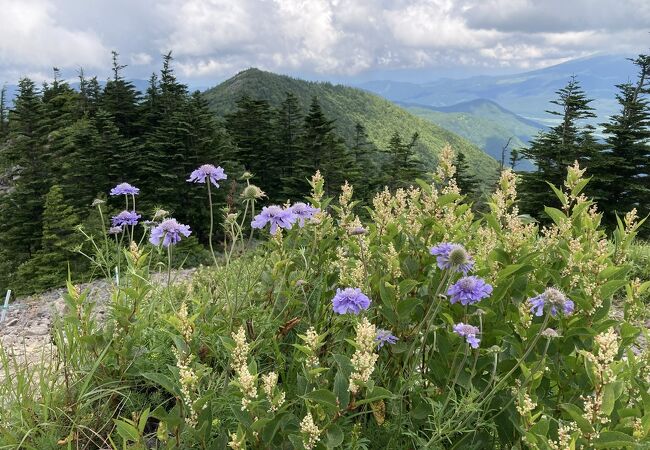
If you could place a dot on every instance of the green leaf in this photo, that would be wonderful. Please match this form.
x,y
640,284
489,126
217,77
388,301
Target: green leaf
x,y
378,393
341,389
164,381
555,214
334,436
576,415
614,439
608,289
406,286
323,397
406,306
611,393
126,430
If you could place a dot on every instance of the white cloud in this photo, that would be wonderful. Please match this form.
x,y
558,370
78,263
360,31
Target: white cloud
x,y
215,38
31,39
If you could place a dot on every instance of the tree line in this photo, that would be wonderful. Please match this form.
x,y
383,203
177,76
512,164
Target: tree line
x,y
63,147
617,157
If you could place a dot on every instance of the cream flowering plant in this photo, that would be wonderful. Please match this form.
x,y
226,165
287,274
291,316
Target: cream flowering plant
x,y
413,322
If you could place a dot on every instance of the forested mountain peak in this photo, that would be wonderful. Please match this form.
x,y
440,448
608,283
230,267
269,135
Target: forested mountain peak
x,y
347,106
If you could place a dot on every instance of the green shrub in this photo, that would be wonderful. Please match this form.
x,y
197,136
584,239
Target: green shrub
x,y
251,354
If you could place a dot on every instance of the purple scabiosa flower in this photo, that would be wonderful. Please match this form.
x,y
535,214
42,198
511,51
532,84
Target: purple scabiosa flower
x,y
125,189
276,216
469,332
452,257
385,337
115,230
169,231
208,171
469,290
125,218
303,211
350,300
556,301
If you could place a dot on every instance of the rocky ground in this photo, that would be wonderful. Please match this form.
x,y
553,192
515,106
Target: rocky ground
x,y
25,332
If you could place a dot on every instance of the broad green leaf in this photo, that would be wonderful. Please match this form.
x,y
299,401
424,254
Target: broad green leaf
x,y
611,393
576,415
334,436
614,439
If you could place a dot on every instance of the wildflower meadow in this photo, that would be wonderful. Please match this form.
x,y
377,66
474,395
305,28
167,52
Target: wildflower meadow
x,y
413,322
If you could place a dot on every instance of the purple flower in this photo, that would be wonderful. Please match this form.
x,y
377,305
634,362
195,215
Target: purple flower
x,y
385,337
469,290
303,211
350,300
469,332
208,171
125,218
452,257
276,216
555,299
115,230
125,189
169,231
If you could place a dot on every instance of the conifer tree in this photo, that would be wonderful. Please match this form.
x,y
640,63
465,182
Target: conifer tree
x,y
323,150
120,99
553,150
3,114
465,179
289,140
48,266
403,166
253,131
21,210
621,175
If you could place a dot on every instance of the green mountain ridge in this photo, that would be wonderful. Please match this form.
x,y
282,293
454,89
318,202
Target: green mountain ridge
x,y
484,123
349,106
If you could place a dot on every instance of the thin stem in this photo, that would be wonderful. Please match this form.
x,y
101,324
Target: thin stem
x,y
169,264
214,256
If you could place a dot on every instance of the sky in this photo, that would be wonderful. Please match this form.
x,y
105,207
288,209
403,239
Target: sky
x,y
337,40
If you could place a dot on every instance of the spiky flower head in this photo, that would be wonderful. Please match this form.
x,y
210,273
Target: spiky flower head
x,y
169,232
252,192
450,256
115,230
275,215
350,300
125,218
303,212
385,337
469,332
208,172
469,290
124,189
554,299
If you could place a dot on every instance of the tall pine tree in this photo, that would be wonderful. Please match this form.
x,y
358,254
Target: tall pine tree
x,y
553,150
621,176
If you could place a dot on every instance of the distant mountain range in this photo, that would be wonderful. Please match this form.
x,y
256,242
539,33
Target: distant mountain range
x,y
347,106
526,94
485,124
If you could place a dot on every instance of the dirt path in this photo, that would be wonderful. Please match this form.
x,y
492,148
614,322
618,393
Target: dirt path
x,y
25,332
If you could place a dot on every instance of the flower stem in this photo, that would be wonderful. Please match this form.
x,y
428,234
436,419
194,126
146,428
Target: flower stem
x,y
214,256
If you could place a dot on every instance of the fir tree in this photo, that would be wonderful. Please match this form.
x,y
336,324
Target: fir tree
x,y
553,150
289,140
465,179
48,266
403,166
621,175
322,149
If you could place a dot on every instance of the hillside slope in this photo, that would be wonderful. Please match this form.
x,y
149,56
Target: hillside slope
x,y
526,93
484,123
348,106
